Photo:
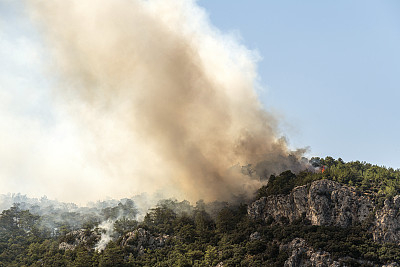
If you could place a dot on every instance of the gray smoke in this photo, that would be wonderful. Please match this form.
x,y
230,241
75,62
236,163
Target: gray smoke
x,y
168,101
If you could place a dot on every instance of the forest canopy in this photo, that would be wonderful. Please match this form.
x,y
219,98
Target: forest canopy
x,y
177,233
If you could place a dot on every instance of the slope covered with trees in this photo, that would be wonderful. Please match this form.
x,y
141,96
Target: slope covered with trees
x,y
207,234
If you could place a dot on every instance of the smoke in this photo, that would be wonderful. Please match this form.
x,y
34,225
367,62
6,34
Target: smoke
x,y
165,101
107,230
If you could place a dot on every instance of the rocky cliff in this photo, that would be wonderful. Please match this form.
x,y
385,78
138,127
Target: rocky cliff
x,y
387,222
326,202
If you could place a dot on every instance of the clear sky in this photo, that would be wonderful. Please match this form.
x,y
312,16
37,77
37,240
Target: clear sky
x,y
330,68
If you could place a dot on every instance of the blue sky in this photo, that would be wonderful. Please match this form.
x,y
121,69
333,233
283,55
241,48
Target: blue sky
x,y
330,68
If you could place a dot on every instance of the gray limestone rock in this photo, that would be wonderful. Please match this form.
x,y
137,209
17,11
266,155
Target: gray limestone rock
x,y
255,236
387,222
83,236
324,202
303,255
140,239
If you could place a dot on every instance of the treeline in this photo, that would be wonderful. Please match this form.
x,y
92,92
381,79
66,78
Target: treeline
x,y
378,182
206,234
196,239
59,217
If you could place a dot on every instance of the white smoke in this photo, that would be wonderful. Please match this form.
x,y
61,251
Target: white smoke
x,y
107,231
160,100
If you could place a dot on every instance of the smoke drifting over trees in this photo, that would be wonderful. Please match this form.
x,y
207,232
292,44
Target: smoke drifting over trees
x,y
167,100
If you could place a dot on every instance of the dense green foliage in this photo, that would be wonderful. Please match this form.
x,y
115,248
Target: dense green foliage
x,y
365,176
377,181
285,182
205,234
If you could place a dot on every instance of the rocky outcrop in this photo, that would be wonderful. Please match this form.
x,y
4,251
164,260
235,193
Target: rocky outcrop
x,y
66,246
387,222
393,264
303,255
83,237
324,202
140,239
255,236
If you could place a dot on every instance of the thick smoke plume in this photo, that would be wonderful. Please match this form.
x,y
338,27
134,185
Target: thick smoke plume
x,y
168,101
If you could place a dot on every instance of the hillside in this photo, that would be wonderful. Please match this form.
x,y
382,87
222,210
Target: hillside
x,y
340,214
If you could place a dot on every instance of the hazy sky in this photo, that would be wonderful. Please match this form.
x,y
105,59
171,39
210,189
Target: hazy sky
x,y
331,68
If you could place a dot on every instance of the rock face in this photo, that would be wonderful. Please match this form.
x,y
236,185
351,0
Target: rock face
x,y
140,239
324,202
303,255
83,236
387,222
